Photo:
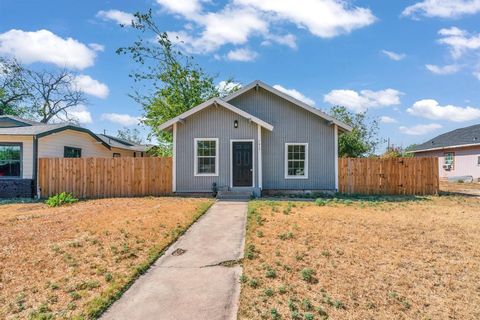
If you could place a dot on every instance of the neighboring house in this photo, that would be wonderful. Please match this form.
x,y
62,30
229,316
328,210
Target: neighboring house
x,y
458,152
23,141
255,139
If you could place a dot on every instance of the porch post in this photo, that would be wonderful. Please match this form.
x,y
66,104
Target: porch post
x,y
259,148
336,155
174,159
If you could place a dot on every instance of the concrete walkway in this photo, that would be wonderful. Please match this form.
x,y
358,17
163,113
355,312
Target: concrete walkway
x,y
192,284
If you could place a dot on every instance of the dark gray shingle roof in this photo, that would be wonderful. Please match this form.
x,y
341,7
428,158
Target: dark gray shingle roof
x,y
34,128
458,137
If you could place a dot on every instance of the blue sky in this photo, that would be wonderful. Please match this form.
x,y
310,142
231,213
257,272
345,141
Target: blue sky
x,y
414,64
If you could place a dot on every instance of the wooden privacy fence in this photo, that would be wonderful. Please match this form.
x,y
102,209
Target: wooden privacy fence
x,y
105,177
402,176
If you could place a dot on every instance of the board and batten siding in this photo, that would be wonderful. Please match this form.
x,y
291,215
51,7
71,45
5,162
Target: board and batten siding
x,y
211,122
27,152
52,146
292,124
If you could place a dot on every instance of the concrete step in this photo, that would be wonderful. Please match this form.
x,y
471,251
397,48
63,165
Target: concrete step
x,y
234,195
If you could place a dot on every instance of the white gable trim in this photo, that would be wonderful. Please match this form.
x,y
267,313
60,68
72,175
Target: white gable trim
x,y
220,102
287,97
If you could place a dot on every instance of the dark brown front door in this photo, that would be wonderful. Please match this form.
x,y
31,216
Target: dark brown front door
x,y
242,165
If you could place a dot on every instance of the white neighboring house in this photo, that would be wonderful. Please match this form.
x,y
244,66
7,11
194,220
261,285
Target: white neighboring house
x,y
23,141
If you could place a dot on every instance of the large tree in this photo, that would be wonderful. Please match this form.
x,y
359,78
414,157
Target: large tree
x,y
43,94
14,87
363,139
168,82
53,94
132,135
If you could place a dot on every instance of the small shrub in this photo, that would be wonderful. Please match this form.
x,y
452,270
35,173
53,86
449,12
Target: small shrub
x,y
259,234
269,292
308,275
243,278
295,315
253,283
60,199
291,305
339,304
282,289
309,316
307,305
270,273
75,295
323,314
321,202
108,277
275,314
250,252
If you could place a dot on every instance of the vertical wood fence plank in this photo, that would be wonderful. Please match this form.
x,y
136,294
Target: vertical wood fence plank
x,y
397,176
105,177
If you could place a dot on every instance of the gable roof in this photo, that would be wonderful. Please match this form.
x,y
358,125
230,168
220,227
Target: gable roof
x,y
217,101
39,130
20,121
463,137
287,97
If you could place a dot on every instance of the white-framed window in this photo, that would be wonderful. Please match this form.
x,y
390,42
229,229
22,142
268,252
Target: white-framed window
x,y
206,156
296,160
449,159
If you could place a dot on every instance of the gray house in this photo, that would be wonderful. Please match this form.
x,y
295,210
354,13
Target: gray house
x,y
257,139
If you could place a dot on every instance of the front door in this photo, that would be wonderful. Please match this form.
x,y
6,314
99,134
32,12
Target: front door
x,y
242,166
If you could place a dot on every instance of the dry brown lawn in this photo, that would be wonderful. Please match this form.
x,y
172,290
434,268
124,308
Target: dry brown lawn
x,y
462,188
363,260
71,261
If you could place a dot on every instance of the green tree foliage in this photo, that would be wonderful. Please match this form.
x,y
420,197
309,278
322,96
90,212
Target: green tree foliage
x,y
362,140
168,82
13,87
132,135
45,94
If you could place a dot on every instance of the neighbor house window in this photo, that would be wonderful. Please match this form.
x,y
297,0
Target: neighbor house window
x,y
206,157
449,159
10,160
71,152
296,160
478,161
116,155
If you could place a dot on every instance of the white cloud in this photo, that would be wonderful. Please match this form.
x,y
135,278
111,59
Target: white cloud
x,y
447,69
296,94
393,55
186,8
97,47
229,26
239,20
288,40
45,46
459,41
117,16
476,74
443,8
80,113
225,87
359,102
387,119
420,129
323,18
241,54
119,118
91,86
431,109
